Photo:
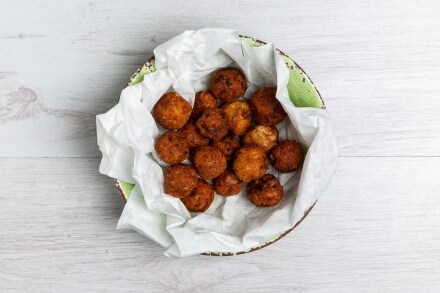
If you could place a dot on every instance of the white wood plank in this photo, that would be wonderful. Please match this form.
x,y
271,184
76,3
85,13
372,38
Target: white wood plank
x,y
375,230
375,62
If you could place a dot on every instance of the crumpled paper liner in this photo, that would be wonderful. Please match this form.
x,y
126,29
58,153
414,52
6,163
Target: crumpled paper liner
x,y
127,132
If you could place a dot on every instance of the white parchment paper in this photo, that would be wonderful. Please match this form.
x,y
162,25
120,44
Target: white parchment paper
x,y
127,132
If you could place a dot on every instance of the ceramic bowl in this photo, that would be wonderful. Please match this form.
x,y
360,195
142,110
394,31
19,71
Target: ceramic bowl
x,y
302,93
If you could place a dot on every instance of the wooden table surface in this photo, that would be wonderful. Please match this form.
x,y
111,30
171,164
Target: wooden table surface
x,y
377,66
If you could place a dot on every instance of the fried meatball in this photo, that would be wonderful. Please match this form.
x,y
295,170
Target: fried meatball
x,y
200,198
265,136
265,192
266,108
287,156
227,184
209,162
239,116
171,147
213,124
192,136
172,111
228,84
204,100
180,180
227,146
250,163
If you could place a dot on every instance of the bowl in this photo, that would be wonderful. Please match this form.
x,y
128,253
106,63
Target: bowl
x,y
302,93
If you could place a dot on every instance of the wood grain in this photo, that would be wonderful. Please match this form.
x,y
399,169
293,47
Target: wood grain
x,y
376,64
375,229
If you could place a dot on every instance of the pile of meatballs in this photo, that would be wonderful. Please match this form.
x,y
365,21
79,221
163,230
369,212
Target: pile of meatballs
x,y
227,140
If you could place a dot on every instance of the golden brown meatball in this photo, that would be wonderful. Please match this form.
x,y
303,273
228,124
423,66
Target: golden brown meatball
x,y
209,162
266,108
265,192
227,184
213,124
204,100
287,156
192,136
200,198
180,180
172,111
265,136
227,146
171,147
228,84
239,116
250,163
